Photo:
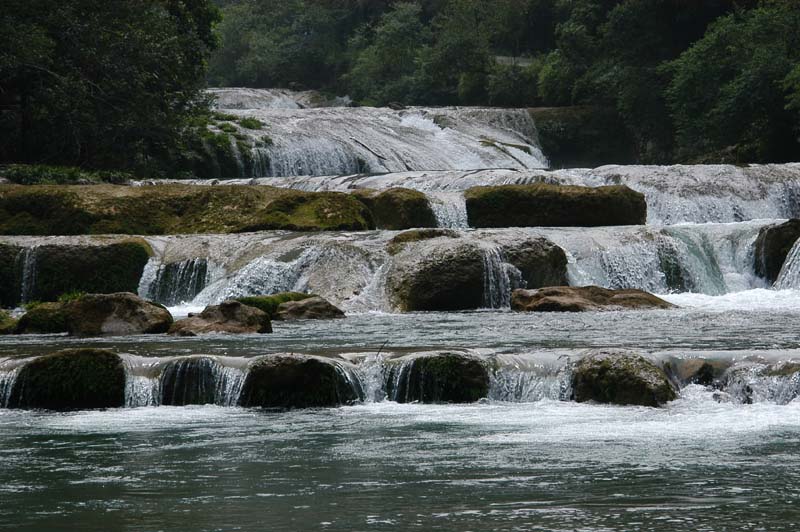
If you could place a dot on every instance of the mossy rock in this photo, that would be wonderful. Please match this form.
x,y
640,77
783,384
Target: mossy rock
x,y
270,304
772,246
44,318
396,209
438,378
544,205
174,209
399,241
620,378
297,381
115,314
8,325
74,379
10,275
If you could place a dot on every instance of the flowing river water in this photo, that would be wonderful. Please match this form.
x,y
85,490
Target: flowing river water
x,y
525,458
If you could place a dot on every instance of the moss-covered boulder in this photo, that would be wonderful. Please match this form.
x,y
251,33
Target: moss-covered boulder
x,y
44,318
584,299
539,261
772,246
544,205
583,136
298,381
620,378
8,325
311,308
270,303
399,241
398,208
437,378
115,315
174,209
74,379
189,381
230,317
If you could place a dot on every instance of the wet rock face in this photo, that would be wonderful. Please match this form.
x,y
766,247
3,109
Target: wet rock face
x,y
297,381
773,246
228,317
396,209
115,315
73,379
584,299
312,308
439,378
543,205
621,378
541,262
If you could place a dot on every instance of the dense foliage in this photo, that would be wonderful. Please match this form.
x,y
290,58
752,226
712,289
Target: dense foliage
x,y
692,81
101,84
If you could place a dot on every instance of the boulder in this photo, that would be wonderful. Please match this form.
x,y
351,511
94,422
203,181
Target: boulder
x,y
10,288
621,378
544,205
772,246
437,378
7,324
270,304
44,318
312,308
540,262
230,317
73,379
398,208
584,299
298,381
399,241
117,314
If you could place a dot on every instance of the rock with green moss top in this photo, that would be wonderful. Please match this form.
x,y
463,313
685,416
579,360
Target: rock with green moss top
x,y
584,299
620,378
772,246
8,325
398,208
270,303
437,378
74,379
543,205
398,242
174,209
298,381
312,308
251,123
39,174
231,317
115,315
43,318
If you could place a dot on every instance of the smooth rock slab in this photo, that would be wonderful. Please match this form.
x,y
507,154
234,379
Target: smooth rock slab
x,y
772,246
312,308
584,299
621,378
73,379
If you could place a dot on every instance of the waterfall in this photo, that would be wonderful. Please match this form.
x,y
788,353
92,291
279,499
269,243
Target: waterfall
x,y
499,279
176,282
9,370
142,385
450,209
521,379
753,383
789,276
28,266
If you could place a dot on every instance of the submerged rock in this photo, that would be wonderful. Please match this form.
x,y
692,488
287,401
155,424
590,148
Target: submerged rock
x,y
772,246
115,315
438,378
230,317
298,381
73,379
312,308
584,299
543,205
398,208
621,378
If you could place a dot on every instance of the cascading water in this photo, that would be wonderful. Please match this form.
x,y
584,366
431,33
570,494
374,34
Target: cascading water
x,y
27,260
500,279
789,276
525,379
9,370
450,209
176,282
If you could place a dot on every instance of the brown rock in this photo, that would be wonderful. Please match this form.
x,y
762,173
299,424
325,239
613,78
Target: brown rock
x,y
312,308
584,299
117,314
228,317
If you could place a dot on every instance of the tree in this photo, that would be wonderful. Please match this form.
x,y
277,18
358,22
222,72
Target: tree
x,y
100,84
